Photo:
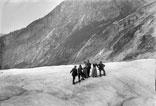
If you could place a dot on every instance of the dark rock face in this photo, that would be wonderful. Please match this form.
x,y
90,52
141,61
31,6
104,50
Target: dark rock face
x,y
76,30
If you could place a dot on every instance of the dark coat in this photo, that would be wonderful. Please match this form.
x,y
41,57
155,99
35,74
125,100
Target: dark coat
x,y
89,65
85,71
74,72
80,71
101,66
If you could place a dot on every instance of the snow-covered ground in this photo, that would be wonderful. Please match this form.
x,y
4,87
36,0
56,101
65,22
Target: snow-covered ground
x,y
126,84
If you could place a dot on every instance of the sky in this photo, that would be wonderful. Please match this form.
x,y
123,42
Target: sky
x,y
17,14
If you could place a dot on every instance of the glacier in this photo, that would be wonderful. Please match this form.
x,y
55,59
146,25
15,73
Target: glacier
x,y
130,83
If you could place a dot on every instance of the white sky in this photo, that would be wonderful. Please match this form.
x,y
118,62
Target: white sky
x,y
16,14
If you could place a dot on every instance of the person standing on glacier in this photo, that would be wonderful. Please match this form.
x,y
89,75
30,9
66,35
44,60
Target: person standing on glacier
x,y
85,70
88,67
101,68
94,71
80,73
74,73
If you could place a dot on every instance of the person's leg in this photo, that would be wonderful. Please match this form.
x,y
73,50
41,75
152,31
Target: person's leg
x,y
82,77
104,73
73,79
100,72
79,77
88,72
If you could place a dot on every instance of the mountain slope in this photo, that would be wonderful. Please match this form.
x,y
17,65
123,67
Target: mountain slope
x,y
77,30
126,84
129,38
1,34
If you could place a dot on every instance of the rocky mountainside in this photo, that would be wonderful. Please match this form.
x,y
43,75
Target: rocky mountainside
x,y
1,34
76,30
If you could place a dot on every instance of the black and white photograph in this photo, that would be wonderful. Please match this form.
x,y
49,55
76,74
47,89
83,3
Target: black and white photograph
x,y
77,52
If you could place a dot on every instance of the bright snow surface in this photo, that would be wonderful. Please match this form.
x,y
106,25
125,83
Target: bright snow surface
x,y
126,84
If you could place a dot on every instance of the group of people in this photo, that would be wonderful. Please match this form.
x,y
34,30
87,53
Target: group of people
x,y
84,72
